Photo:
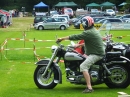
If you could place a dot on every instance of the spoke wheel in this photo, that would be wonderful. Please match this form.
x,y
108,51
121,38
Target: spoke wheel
x,y
46,81
119,78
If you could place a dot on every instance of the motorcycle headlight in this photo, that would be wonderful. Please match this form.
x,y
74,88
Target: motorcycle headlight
x,y
53,48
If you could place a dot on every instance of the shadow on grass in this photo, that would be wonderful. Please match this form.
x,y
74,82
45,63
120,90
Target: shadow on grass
x,y
70,89
62,90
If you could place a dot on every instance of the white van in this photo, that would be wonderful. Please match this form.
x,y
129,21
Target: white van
x,y
110,12
63,15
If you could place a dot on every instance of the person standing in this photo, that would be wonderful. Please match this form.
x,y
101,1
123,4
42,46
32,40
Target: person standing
x,y
3,21
94,48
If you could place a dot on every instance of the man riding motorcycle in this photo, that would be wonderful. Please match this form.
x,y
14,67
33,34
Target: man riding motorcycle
x,y
94,48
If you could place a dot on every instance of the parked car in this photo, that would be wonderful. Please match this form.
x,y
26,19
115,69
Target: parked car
x,y
117,16
111,12
68,11
63,15
52,23
127,21
96,19
40,13
54,12
39,19
125,17
74,20
95,11
109,20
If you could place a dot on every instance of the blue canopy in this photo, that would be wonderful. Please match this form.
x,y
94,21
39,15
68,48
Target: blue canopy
x,y
40,5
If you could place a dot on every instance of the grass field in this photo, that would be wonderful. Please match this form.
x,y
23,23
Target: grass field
x,y
17,65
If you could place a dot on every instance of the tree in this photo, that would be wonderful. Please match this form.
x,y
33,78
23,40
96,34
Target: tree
x,y
28,4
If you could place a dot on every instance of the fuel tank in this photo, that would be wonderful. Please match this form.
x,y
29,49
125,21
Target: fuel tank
x,y
73,56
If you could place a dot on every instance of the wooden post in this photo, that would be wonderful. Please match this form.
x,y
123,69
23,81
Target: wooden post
x,y
6,48
24,38
0,52
34,48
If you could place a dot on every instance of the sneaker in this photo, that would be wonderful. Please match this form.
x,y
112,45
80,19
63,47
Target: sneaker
x,y
88,90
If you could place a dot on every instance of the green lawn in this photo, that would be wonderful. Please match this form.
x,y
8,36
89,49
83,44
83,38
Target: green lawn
x,y
17,66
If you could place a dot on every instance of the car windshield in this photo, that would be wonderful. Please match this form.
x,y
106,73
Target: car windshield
x,y
59,19
94,10
65,17
68,10
97,19
101,21
109,10
50,20
117,16
53,12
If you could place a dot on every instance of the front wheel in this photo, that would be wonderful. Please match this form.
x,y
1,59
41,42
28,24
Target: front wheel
x,y
62,27
46,81
40,28
119,78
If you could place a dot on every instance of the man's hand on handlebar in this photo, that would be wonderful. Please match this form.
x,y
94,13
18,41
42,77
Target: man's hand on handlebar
x,y
59,40
64,38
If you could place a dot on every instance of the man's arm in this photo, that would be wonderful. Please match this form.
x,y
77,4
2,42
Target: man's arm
x,y
79,45
63,38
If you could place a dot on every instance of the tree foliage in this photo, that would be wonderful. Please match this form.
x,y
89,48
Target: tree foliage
x,y
28,4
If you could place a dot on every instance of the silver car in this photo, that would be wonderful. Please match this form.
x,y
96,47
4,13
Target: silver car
x,y
125,18
53,23
110,20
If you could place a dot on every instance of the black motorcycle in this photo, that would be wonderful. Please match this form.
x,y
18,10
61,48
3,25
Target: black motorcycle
x,y
113,69
111,46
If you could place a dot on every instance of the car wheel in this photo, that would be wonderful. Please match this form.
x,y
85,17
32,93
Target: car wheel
x,y
40,28
62,27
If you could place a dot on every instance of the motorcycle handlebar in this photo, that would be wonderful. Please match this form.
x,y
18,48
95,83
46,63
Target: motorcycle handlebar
x,y
58,40
58,43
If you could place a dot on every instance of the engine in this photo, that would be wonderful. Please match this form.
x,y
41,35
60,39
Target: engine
x,y
94,76
77,77
126,53
94,73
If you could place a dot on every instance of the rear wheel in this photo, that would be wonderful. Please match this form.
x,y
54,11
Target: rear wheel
x,y
119,78
40,28
62,27
46,81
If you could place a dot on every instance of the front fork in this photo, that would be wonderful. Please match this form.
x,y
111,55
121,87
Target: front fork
x,y
50,62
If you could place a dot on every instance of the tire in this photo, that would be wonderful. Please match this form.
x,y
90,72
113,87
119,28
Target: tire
x,y
47,81
62,27
119,78
40,28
